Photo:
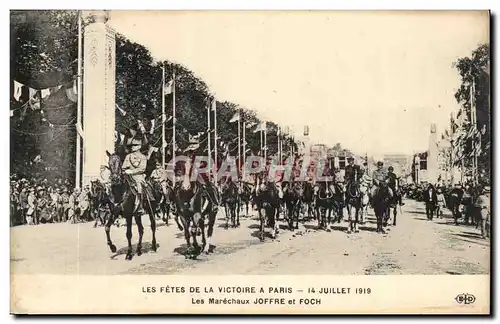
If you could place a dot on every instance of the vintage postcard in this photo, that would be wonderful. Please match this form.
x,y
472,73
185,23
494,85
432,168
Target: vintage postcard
x,y
250,162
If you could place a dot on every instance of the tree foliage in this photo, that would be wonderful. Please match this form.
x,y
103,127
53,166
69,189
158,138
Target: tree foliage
x,y
476,70
44,46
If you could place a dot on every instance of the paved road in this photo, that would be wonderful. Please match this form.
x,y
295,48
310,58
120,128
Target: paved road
x,y
414,246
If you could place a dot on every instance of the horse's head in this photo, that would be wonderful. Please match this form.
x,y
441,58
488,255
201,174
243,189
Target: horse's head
x,y
115,168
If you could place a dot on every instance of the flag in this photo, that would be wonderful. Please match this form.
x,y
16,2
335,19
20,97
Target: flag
x,y
250,124
141,126
214,104
151,130
122,112
45,93
192,147
151,150
235,118
169,87
79,130
194,138
34,99
122,138
18,90
71,93
260,128
11,113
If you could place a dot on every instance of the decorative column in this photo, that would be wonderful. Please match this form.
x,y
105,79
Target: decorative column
x,y
98,94
432,157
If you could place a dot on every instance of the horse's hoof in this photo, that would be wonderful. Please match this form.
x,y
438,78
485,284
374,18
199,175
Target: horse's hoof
x,y
348,231
112,247
328,230
139,252
356,231
128,257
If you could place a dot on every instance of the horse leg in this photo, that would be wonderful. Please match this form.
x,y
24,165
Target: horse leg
x,y
349,219
262,216
128,218
227,216
395,216
296,217
210,229
356,219
238,215
140,229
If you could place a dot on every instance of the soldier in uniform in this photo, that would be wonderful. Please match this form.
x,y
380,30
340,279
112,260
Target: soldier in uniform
x,y
135,165
159,175
393,180
378,176
352,172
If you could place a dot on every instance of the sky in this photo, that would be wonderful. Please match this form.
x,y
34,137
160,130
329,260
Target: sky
x,y
373,81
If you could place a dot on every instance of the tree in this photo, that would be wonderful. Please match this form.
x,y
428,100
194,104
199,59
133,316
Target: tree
x,y
475,70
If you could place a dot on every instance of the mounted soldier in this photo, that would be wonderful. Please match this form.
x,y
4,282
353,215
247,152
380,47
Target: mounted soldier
x,y
134,165
393,181
379,175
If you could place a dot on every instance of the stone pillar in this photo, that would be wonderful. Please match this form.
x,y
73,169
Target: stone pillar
x,y
432,157
98,94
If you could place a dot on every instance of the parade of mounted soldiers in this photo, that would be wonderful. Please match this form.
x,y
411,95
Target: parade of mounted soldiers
x,y
182,158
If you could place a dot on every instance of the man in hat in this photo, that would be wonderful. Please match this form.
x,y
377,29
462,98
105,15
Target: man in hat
x,y
352,171
135,164
379,175
159,175
393,181
483,204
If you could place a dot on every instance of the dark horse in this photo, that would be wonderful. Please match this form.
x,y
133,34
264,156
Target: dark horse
x,y
123,199
194,203
99,202
396,198
165,192
354,199
245,196
268,203
308,199
292,194
381,204
325,203
231,203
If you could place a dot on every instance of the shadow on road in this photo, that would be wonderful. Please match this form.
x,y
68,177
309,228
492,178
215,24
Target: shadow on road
x,y
146,248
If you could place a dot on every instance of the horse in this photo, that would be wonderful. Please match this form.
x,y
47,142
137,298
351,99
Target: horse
x,y
267,201
231,203
125,200
292,194
98,199
165,192
194,203
396,197
353,199
245,196
324,196
308,200
338,201
381,203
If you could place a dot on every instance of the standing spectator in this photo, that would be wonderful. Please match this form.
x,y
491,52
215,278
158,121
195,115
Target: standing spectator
x,y
23,200
483,204
441,203
430,199
31,207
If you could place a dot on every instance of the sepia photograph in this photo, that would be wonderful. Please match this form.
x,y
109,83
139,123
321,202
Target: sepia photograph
x,y
267,162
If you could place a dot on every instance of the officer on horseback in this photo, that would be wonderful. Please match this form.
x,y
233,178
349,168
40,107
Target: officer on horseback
x,y
379,175
135,165
352,171
393,179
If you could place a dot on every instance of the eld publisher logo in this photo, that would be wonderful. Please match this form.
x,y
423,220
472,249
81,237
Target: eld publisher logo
x,y
465,299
